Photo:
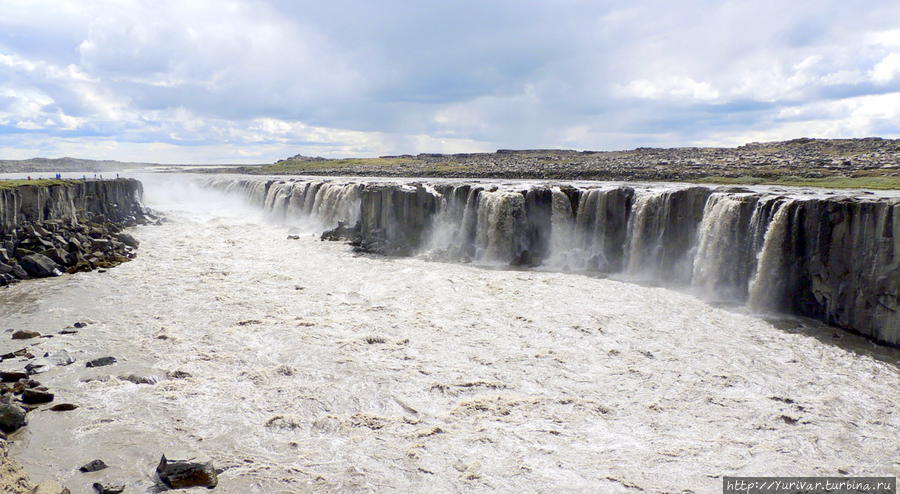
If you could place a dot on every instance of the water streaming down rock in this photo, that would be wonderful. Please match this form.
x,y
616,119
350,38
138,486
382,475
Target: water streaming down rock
x,y
662,234
396,220
601,226
834,259
726,257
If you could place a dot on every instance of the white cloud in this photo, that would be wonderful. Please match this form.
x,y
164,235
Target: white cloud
x,y
887,69
670,88
263,79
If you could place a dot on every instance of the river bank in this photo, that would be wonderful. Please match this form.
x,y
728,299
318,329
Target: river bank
x,y
48,227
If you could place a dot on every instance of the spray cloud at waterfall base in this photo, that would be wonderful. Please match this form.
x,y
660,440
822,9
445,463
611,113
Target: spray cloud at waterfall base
x,y
832,258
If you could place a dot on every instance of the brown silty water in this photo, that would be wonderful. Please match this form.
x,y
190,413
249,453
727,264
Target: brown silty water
x,y
313,369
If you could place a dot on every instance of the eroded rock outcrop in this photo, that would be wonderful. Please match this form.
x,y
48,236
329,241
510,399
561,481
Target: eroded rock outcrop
x,y
74,225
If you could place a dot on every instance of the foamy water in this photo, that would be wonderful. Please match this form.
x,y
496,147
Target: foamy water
x,y
317,370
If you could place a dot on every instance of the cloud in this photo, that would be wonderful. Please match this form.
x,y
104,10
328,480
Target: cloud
x,y
257,80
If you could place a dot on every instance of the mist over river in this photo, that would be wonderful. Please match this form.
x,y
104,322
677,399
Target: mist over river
x,y
314,369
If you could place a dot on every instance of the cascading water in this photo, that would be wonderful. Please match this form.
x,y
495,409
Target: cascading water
x,y
767,289
725,258
564,252
732,245
500,227
297,366
662,234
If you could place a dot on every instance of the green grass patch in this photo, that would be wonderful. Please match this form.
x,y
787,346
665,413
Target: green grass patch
x,y
312,165
878,183
46,182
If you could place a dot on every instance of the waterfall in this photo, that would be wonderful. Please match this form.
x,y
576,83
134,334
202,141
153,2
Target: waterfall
x,y
601,224
453,233
500,228
768,287
724,262
836,259
563,250
662,234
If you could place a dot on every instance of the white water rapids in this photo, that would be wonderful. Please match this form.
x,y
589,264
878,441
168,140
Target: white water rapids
x,y
316,370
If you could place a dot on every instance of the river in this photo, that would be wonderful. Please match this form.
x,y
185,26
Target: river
x,y
314,369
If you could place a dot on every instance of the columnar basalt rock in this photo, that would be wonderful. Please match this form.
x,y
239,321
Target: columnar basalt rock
x,y
74,225
832,258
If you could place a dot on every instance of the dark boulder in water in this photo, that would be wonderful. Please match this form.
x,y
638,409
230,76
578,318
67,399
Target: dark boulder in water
x,y
100,362
179,474
93,466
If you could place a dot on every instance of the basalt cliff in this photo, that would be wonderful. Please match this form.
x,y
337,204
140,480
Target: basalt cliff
x,y
50,227
832,257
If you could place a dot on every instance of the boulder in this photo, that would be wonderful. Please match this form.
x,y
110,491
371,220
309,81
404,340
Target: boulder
x,y
58,256
128,240
24,334
100,362
183,474
12,376
108,489
18,272
12,417
63,407
93,466
40,266
36,397
136,379
341,232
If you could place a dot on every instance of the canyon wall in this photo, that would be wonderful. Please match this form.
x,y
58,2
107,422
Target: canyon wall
x,y
48,227
115,200
835,258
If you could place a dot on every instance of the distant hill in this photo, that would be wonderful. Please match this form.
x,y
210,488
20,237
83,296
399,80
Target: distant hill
x,y
44,165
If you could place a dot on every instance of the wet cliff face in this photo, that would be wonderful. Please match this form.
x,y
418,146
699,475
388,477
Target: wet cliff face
x,y
836,261
833,259
115,200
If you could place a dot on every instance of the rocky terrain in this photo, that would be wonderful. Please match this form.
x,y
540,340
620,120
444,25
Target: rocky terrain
x,y
869,163
55,226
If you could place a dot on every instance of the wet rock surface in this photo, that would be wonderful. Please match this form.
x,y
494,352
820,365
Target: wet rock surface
x,y
93,466
58,358
36,396
177,474
25,335
101,362
108,488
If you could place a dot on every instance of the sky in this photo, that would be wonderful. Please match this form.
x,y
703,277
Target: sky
x,y
254,81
